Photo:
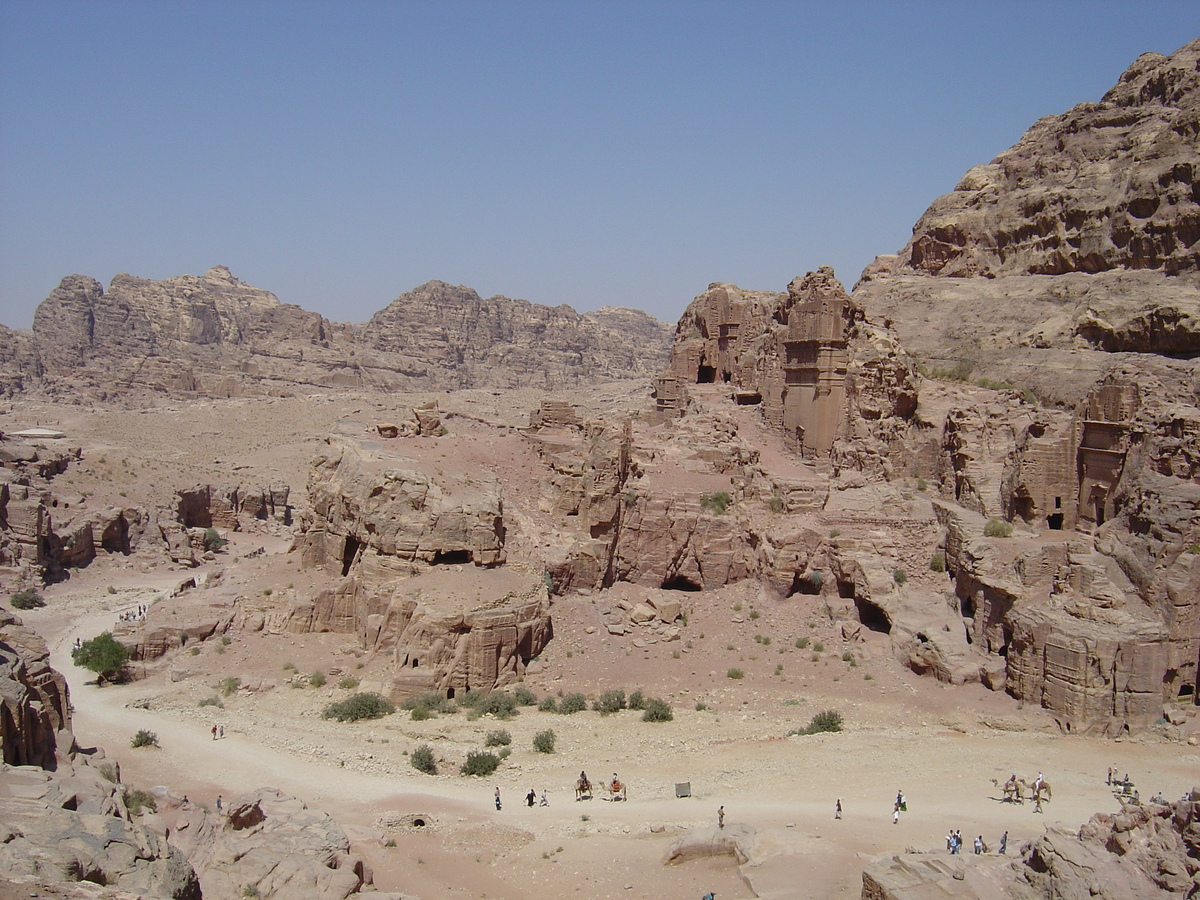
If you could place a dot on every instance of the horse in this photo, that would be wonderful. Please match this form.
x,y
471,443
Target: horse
x,y
583,789
616,790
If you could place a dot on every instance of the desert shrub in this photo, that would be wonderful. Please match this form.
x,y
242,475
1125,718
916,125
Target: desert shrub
x,y
524,696
921,485
230,685
195,651
717,501
736,674
937,562
801,643
470,699
548,704
610,702
28,598
317,679
572,703
637,700
347,682
900,576
103,654
657,710
422,760
480,762
543,741
498,738
818,647
214,700
504,752
359,706
213,540
144,738
500,704
421,713
431,702
828,721
138,801
997,528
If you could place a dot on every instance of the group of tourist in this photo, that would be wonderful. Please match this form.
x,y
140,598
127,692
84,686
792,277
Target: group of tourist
x,y
135,615
531,799
954,843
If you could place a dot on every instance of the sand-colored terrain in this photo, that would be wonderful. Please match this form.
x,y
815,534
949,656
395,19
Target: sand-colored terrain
x,y
940,745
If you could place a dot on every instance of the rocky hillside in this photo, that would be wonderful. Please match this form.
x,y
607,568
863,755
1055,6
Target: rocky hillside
x,y
215,336
1080,241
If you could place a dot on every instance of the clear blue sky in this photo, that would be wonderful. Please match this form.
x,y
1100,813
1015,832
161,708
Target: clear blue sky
x,y
588,153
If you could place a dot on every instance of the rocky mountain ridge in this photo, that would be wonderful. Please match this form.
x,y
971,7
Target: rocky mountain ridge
x,y
215,336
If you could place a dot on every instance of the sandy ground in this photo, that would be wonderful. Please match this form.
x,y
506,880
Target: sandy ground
x,y
941,746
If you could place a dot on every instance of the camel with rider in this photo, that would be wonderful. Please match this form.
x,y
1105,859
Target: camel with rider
x,y
1015,789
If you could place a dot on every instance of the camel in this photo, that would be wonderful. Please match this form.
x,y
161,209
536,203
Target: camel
x,y
1043,791
616,790
1012,792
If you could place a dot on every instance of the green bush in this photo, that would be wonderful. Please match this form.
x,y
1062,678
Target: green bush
x,y
317,679
499,738
499,704
359,706
801,643
548,704
422,760
347,682
900,576
543,741
997,528
230,685
28,598
213,540
736,674
138,801
144,738
637,700
657,710
421,713
610,702
103,655
828,721
524,696
937,562
480,762
431,702
717,501
214,700
572,703
819,647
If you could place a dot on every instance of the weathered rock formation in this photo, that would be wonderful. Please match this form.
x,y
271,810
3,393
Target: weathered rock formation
x,y
1108,185
215,336
1148,852
820,371
35,709
1080,241
267,844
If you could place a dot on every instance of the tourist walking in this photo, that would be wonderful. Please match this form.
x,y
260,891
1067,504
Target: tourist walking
x,y
978,844
497,799
837,809
721,817
531,797
1003,843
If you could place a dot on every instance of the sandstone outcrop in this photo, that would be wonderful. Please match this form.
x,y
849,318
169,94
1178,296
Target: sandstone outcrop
x,y
1147,852
216,336
35,708
1080,241
820,371
272,845
1103,186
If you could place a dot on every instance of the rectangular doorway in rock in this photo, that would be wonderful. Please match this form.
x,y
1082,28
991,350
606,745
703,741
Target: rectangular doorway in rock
x,y
349,552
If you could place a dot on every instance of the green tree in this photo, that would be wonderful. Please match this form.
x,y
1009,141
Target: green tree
x,y
103,654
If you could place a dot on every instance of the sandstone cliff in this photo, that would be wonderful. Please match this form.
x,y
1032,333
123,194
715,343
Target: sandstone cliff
x,y
216,336
1081,240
